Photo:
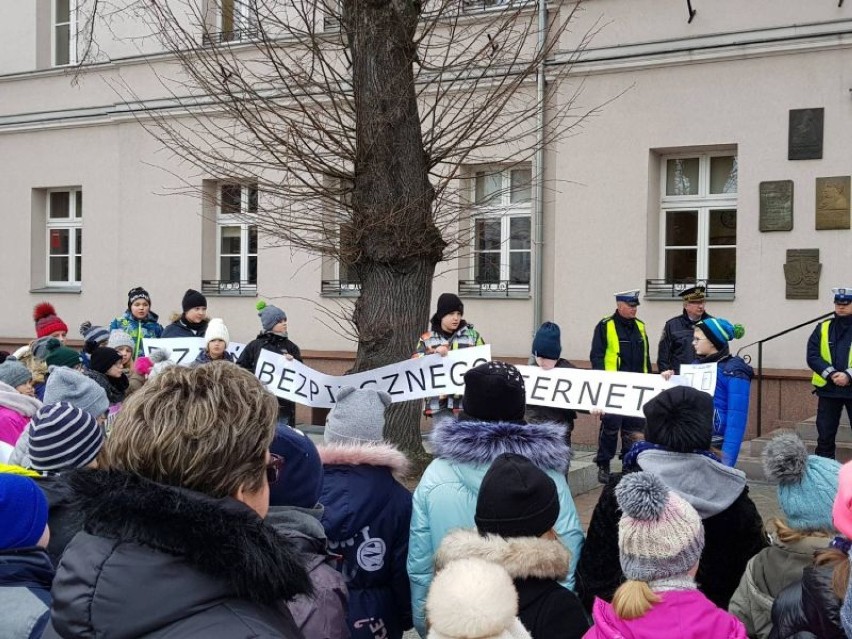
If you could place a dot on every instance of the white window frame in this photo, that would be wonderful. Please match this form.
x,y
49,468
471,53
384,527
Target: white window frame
x,y
703,202
72,223
505,210
243,19
224,220
72,33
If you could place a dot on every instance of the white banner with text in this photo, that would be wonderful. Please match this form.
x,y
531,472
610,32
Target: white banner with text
x,y
184,350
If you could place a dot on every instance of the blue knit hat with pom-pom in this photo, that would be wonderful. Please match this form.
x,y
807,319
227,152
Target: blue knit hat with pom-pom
x,y
807,484
720,331
659,534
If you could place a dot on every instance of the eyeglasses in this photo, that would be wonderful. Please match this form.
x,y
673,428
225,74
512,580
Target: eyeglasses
x,y
273,468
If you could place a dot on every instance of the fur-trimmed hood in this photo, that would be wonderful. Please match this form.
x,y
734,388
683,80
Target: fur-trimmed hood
x,y
521,557
382,455
221,538
478,442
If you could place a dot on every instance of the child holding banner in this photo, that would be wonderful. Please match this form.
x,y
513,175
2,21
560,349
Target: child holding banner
x,y
138,321
449,331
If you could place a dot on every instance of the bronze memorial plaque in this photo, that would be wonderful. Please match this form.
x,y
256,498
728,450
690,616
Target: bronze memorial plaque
x,y
802,272
776,205
832,203
804,140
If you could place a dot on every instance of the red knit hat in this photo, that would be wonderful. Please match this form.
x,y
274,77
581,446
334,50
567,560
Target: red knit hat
x,y
46,320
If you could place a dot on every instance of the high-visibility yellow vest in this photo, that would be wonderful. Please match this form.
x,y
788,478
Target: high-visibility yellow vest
x,y
825,353
613,347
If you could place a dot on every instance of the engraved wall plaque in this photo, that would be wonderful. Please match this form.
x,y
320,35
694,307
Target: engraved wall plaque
x,y
776,205
804,141
801,273
832,203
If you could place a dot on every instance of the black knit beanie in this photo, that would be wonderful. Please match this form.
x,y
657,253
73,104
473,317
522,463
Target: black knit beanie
x,y
494,392
516,499
447,303
680,419
193,299
103,358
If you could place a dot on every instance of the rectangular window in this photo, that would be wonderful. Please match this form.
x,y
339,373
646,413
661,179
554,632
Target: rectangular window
x,y
699,219
237,20
236,237
501,231
64,32
64,237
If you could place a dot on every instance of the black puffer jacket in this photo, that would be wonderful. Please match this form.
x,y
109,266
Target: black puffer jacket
x,y
276,344
160,562
808,609
64,519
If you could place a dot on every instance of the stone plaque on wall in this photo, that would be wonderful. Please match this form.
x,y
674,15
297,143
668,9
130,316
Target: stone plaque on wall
x,y
801,273
776,205
804,141
832,203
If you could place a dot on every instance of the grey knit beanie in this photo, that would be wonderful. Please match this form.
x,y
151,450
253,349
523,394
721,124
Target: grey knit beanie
x,y
269,315
13,373
71,386
358,417
118,337
659,534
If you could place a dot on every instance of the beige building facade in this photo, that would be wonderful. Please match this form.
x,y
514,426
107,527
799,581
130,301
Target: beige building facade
x,y
662,185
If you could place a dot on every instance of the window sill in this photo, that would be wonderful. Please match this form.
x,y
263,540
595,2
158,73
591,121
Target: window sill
x,y
336,288
67,290
228,288
494,290
663,291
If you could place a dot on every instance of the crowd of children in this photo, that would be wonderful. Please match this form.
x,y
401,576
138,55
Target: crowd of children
x,y
143,499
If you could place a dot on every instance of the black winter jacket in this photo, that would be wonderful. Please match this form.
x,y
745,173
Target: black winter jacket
x,y
839,344
732,537
161,562
676,343
276,344
808,609
181,328
64,519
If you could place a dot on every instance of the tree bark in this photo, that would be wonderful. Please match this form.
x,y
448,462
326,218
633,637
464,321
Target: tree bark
x,y
392,242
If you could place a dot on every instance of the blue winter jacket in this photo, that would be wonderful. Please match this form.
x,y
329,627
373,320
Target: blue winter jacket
x,y
366,519
730,401
446,495
138,329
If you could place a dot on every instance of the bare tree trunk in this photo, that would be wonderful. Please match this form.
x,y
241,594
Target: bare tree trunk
x,y
393,241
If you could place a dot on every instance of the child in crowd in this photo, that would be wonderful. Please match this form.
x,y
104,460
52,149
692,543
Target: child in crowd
x,y
448,331
107,372
473,599
48,323
56,354
147,367
492,423
295,512
807,486
660,541
16,409
123,344
94,336
216,340
138,321
517,507
367,513
546,351
733,380
18,376
25,569
193,321
273,338
62,438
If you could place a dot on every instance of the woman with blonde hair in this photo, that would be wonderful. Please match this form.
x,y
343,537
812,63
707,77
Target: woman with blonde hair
x,y
660,540
807,485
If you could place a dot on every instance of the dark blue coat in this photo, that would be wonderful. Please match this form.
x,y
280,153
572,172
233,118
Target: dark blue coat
x,y
633,351
366,519
676,342
839,343
25,578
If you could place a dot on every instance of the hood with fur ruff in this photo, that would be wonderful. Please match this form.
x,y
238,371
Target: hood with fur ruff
x,y
381,455
521,557
477,442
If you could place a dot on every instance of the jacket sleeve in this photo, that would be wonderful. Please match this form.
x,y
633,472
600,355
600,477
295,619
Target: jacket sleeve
x,y
742,601
421,350
479,341
820,605
664,350
788,616
598,352
158,330
420,553
248,356
399,573
568,526
815,361
599,569
737,417
324,613
294,350
562,615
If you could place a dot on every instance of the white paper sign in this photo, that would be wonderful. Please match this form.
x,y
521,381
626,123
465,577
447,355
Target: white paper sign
x,y
410,379
582,389
184,350
699,376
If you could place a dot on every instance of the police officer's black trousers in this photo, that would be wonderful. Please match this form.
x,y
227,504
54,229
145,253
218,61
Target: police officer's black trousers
x,y
608,437
829,410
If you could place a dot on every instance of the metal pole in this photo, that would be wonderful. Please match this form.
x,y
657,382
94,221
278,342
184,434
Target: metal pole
x,y
538,210
759,388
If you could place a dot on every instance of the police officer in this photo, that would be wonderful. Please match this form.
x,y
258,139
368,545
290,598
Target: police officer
x,y
830,358
620,343
676,342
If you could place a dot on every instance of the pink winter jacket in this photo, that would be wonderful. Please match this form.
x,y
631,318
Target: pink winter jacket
x,y
12,424
682,614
